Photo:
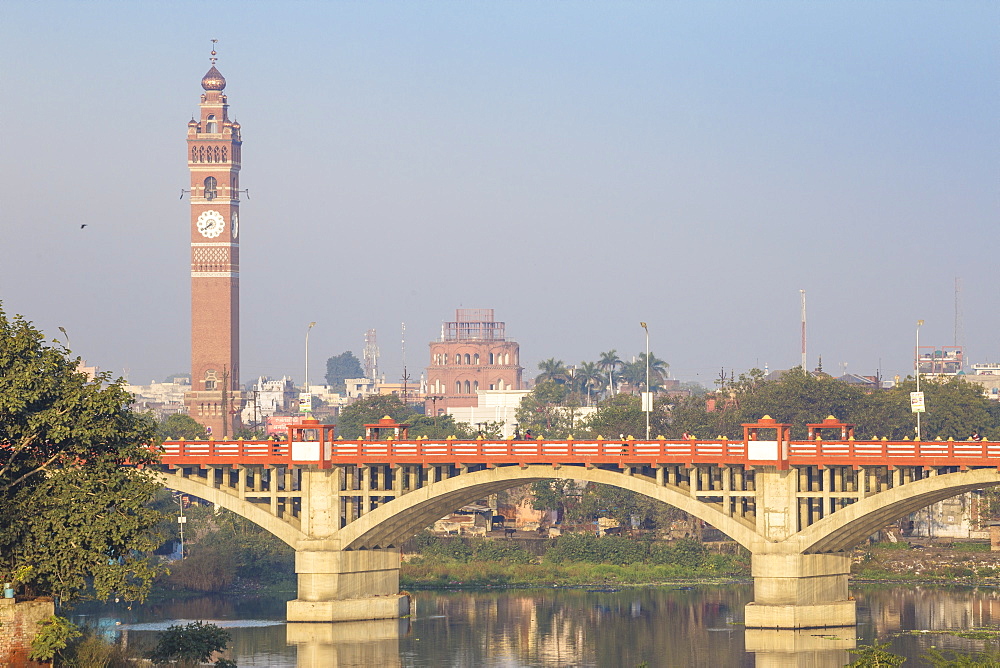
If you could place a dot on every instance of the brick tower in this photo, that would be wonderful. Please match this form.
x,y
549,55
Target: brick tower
x,y
213,143
472,354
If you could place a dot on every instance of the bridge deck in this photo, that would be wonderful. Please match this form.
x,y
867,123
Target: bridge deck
x,y
624,452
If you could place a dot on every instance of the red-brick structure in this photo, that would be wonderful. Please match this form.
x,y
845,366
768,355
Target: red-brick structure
x,y
472,354
214,148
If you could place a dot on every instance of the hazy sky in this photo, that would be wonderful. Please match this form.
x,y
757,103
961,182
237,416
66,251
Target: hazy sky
x,y
577,166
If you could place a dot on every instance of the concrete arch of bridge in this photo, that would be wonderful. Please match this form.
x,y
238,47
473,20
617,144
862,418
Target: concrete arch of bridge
x,y
261,518
401,518
849,526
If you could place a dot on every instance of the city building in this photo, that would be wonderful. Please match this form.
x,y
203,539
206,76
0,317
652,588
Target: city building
x,y
267,397
472,354
940,360
213,153
161,399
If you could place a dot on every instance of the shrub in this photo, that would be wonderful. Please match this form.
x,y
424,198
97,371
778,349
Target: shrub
x,y
191,643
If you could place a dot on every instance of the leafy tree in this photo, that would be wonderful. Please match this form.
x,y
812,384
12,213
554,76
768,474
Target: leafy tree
x,y
71,509
544,412
190,644
369,410
178,427
53,636
340,367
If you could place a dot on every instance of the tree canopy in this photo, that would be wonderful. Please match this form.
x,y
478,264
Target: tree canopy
x,y
178,427
75,520
341,367
371,409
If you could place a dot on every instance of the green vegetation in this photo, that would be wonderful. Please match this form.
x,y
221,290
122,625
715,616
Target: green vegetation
x,y
71,510
53,636
179,427
191,644
875,656
341,367
352,420
572,559
224,549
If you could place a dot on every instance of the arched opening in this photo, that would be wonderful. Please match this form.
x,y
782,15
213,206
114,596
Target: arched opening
x,y
210,124
491,358
475,359
475,386
468,388
468,358
458,387
211,188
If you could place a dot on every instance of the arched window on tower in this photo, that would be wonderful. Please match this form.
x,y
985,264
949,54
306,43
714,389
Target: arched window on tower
x,y
224,158
475,386
491,358
194,154
211,125
211,380
468,388
468,358
475,359
458,387
211,188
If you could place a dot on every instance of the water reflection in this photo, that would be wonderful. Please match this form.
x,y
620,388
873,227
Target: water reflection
x,y
660,626
354,644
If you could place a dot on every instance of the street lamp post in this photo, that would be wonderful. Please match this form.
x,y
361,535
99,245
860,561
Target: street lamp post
x,y
916,368
647,403
311,325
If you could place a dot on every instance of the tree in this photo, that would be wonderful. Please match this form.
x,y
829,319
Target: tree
x,y
542,410
190,644
178,427
72,510
369,410
552,370
635,372
340,367
590,378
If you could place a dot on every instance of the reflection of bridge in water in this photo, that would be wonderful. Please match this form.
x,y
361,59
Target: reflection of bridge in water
x,y
798,506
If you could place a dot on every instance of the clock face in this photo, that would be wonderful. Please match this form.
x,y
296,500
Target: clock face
x,y
211,224
234,225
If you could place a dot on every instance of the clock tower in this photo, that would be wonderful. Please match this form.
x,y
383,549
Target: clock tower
x,y
213,153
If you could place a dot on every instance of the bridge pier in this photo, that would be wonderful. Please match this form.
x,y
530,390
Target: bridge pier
x,y
347,585
800,591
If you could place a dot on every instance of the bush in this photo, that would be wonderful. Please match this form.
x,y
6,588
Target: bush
x,y
192,643
503,551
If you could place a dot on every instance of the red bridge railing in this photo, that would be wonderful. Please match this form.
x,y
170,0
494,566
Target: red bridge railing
x,y
597,451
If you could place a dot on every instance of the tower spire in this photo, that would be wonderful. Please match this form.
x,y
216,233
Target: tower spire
x,y
214,57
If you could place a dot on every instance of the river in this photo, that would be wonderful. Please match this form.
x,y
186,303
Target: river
x,y
668,626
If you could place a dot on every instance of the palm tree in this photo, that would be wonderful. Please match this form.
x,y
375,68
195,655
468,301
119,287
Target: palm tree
x,y
552,370
589,377
609,363
635,372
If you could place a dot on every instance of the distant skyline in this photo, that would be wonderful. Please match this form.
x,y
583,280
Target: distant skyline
x,y
577,167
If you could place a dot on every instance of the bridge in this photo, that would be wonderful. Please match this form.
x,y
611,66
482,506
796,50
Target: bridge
x,y
799,507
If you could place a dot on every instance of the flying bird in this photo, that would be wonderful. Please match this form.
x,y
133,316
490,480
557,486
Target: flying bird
x,y
83,226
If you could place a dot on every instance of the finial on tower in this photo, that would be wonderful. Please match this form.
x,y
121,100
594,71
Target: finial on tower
x,y
213,80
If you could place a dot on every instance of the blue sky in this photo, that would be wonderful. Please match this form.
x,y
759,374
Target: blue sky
x,y
577,166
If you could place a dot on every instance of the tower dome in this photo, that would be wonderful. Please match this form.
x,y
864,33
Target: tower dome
x,y
213,80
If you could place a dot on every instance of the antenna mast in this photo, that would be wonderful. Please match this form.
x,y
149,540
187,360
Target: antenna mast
x,y
371,355
802,293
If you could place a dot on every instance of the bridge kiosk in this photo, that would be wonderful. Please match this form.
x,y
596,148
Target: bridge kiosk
x,y
792,589
386,428
311,442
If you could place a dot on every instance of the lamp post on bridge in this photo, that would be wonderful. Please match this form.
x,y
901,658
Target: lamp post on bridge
x,y
917,403
311,325
647,396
